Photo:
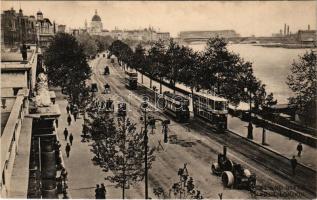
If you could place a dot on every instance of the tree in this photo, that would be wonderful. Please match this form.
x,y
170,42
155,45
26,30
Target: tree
x,y
66,64
122,51
302,80
103,42
88,43
139,60
175,60
190,75
224,72
118,147
156,59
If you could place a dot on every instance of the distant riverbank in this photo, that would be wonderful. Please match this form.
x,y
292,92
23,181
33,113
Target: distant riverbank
x,y
287,46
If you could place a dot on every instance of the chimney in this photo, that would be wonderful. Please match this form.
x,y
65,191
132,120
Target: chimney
x,y
281,32
284,29
309,27
287,29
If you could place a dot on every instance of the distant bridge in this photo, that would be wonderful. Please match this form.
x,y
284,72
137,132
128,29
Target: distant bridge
x,y
204,39
190,40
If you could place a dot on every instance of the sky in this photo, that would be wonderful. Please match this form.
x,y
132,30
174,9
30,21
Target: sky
x,y
260,18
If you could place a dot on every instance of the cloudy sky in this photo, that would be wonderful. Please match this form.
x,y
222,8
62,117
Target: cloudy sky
x,y
247,18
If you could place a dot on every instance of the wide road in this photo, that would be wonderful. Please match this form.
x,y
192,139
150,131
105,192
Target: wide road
x,y
195,144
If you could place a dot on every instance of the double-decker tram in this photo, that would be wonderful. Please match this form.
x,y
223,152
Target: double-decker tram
x,y
176,105
211,108
131,79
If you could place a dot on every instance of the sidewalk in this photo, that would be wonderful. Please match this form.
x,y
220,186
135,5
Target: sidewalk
x,y
277,142
82,174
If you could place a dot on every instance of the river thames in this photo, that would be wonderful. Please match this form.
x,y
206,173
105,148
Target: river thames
x,y
271,65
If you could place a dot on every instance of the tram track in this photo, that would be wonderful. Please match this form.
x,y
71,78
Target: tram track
x,y
216,141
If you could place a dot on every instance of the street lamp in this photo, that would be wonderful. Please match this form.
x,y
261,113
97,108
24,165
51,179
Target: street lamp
x,y
250,127
144,107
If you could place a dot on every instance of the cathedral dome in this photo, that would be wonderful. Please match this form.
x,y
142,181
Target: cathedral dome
x,y
96,17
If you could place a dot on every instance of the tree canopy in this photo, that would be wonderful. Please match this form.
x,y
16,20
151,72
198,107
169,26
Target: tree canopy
x,y
302,80
66,64
215,69
118,147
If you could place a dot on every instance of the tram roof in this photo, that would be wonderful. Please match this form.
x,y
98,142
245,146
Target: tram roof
x,y
172,95
210,96
130,73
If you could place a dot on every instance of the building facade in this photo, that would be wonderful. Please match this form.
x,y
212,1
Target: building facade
x,y
17,28
307,36
17,83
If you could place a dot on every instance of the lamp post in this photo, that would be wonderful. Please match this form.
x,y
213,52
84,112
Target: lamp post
x,y
144,107
250,127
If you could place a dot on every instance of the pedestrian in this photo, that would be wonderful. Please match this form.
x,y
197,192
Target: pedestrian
x,y
71,108
294,164
75,114
67,148
103,191
97,192
65,133
67,109
56,122
69,120
71,138
299,149
64,175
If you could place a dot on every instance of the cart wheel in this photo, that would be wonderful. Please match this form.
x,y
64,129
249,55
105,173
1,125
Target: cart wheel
x,y
215,168
227,178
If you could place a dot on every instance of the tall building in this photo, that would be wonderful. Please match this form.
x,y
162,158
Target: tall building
x,y
17,28
95,25
45,29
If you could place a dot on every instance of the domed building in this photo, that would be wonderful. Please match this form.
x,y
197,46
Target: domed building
x,y
96,24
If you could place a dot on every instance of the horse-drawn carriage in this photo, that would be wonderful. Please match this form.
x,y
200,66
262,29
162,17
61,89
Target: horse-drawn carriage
x,y
106,71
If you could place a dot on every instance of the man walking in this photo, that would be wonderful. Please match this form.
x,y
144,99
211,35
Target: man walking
x,y
67,109
294,164
69,120
67,150
71,138
97,192
299,149
103,191
65,133
75,114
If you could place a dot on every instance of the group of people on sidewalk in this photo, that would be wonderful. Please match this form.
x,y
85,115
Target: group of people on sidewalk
x,y
70,138
71,109
100,191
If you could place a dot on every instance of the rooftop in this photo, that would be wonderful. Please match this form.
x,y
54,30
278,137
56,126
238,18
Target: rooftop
x,y
210,96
